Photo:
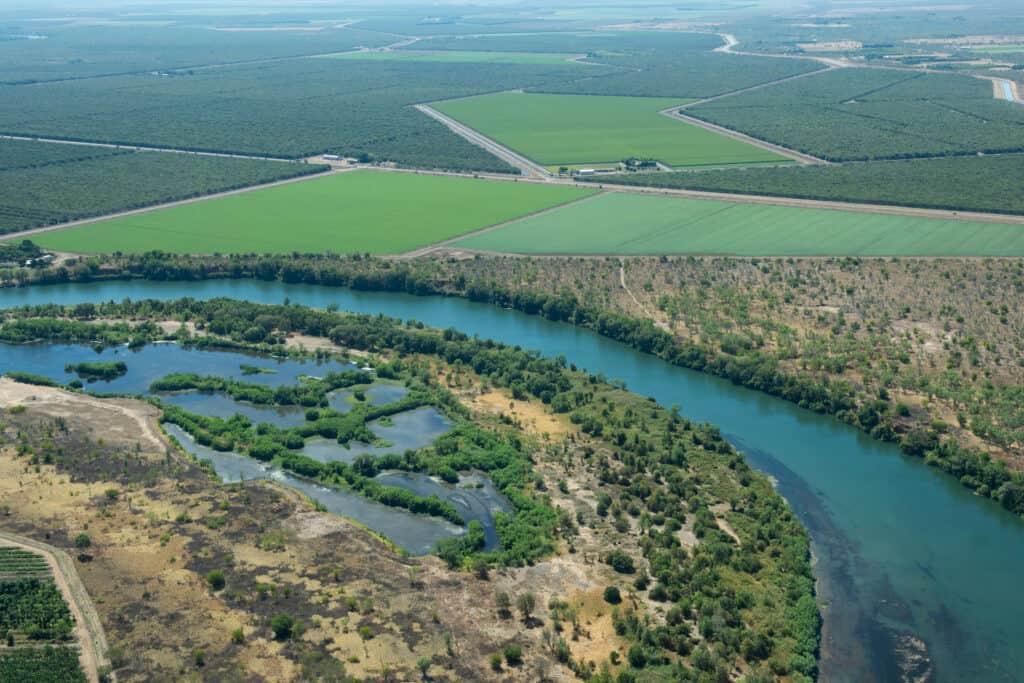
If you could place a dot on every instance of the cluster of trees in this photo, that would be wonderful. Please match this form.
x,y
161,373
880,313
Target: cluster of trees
x,y
969,183
863,114
18,253
35,608
92,371
309,394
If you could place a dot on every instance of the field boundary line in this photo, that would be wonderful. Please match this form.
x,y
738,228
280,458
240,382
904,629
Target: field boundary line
x,y
423,251
93,646
506,154
167,205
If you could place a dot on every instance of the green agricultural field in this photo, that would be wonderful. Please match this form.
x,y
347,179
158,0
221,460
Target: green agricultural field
x,y
584,129
358,211
619,223
488,57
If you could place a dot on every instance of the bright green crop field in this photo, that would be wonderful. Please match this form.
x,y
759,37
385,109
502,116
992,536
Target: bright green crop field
x,y
356,211
583,129
461,57
619,223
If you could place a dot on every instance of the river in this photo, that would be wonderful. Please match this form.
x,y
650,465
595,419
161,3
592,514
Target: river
x,y
909,562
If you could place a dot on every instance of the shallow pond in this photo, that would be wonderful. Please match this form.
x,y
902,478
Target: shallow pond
x,y
153,361
418,534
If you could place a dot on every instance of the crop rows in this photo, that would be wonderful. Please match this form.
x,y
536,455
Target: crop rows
x,y
15,154
41,665
861,114
17,561
618,223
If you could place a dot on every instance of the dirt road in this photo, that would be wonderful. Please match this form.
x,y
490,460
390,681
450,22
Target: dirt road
x,y
510,157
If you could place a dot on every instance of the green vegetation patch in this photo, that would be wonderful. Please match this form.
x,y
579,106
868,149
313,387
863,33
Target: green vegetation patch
x,y
488,57
361,211
619,223
581,129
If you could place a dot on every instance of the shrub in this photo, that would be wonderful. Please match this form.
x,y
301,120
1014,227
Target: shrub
x,y
620,562
503,603
496,661
282,626
514,655
82,541
216,579
612,595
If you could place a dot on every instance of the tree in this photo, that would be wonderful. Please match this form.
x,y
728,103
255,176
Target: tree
x,y
495,661
526,603
612,595
282,626
82,541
